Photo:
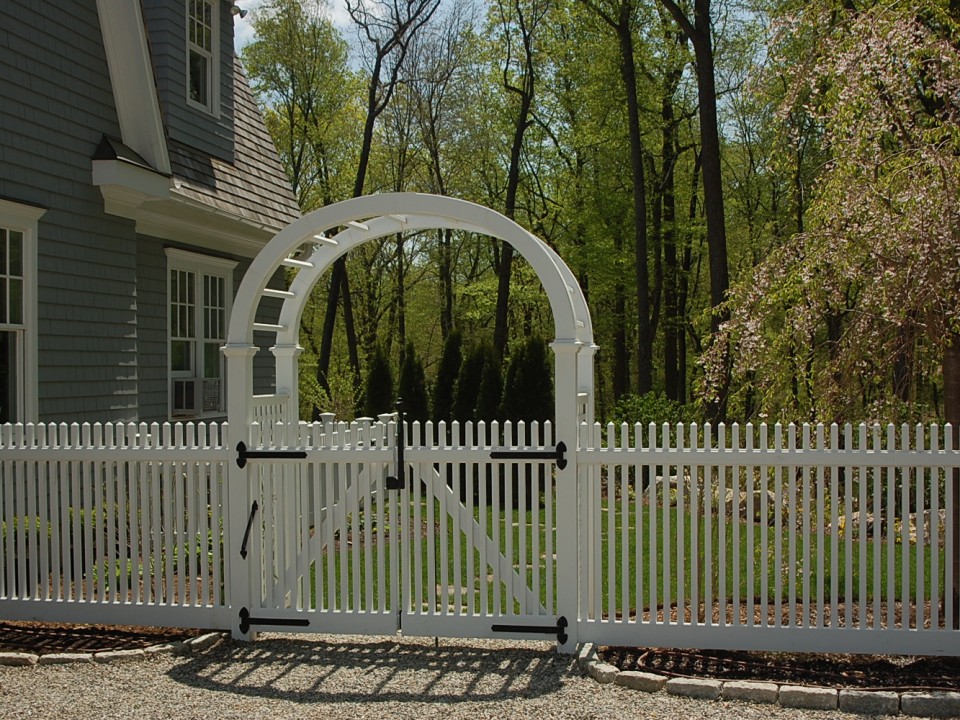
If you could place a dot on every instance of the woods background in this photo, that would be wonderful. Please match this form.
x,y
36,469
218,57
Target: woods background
x,y
760,201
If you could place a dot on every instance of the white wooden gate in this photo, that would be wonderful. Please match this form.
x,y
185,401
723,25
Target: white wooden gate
x,y
449,531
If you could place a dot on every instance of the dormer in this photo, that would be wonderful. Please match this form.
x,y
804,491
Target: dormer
x,y
192,46
194,163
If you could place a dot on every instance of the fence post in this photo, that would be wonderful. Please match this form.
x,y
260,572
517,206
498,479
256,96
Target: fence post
x,y
568,543
238,571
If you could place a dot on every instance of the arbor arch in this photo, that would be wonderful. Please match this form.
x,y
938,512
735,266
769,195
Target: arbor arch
x,y
334,230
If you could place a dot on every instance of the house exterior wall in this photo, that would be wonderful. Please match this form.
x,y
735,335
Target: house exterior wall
x,y
101,289
166,28
54,113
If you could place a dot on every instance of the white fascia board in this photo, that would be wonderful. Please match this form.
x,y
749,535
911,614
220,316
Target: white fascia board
x,y
131,75
210,231
125,186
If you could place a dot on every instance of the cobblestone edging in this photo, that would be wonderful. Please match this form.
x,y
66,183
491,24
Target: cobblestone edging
x,y
22,659
863,702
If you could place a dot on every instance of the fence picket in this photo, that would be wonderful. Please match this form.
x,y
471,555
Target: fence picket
x,y
920,475
950,620
721,504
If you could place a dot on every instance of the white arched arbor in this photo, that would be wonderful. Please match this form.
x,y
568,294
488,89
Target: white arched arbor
x,y
334,230
310,246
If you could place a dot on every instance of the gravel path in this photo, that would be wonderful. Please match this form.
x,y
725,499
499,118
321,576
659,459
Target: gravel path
x,y
282,676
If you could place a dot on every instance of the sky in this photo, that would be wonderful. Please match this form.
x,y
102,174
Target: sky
x,y
243,30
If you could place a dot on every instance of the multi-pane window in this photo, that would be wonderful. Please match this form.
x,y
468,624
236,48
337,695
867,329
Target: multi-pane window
x,y
18,311
11,321
201,53
198,300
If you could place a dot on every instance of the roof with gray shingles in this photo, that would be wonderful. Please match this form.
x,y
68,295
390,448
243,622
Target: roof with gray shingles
x,y
255,186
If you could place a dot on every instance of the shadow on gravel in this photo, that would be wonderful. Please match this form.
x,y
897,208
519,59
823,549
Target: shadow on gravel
x,y
314,671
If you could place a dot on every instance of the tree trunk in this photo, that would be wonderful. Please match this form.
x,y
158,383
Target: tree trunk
x,y
683,283
526,93
671,372
951,414
629,75
698,32
401,298
329,322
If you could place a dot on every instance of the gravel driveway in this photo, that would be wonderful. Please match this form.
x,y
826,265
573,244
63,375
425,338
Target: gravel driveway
x,y
283,676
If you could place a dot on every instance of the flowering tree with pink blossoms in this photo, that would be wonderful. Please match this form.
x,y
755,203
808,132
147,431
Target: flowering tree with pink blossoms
x,y
842,320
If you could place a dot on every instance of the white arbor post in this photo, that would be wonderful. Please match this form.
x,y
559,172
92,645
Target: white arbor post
x,y
287,378
239,570
585,358
568,560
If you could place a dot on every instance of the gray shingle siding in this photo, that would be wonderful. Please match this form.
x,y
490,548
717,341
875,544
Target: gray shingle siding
x,y
152,329
166,28
264,363
101,287
56,107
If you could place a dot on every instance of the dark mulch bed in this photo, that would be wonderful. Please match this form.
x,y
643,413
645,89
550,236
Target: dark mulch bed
x,y
45,638
824,670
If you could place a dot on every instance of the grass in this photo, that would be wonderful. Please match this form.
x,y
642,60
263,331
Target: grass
x,y
756,561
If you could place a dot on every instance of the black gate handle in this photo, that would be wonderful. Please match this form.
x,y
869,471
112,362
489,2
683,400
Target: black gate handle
x,y
246,533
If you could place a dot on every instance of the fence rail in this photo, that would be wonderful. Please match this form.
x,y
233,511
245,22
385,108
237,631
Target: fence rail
x,y
116,523
777,537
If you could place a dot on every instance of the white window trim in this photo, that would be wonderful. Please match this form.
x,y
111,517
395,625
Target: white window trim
x,y
213,107
200,264
24,219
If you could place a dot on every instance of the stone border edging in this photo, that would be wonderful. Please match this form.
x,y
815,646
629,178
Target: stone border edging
x,y
850,700
178,647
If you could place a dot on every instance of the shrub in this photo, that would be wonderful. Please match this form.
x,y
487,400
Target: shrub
x,y
528,389
446,382
413,386
649,408
378,397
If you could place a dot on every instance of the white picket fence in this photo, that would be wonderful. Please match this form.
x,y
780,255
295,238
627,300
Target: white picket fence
x,y
113,523
782,538
812,538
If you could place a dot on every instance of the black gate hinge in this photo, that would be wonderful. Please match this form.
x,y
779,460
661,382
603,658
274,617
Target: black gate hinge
x,y
560,629
246,621
557,455
243,454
